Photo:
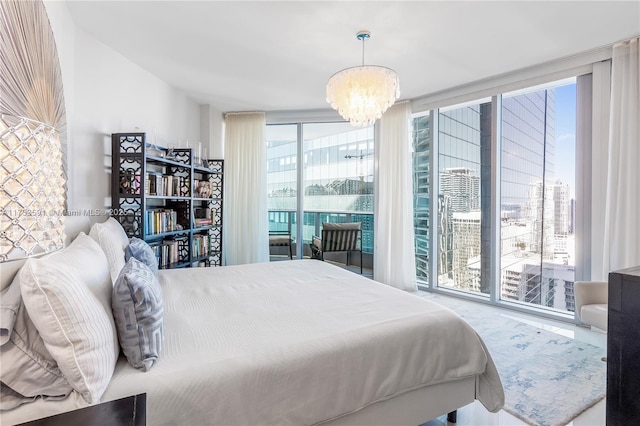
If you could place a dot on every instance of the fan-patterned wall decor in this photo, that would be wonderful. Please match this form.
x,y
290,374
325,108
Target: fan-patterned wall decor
x,y
32,133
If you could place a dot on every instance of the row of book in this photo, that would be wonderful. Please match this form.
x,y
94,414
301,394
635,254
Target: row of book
x,y
160,221
166,185
168,251
200,245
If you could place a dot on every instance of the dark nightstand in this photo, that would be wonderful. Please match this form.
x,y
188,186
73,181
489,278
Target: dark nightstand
x,y
131,411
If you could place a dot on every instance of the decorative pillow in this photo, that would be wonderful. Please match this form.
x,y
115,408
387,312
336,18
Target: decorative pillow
x,y
141,251
139,314
27,369
113,241
65,295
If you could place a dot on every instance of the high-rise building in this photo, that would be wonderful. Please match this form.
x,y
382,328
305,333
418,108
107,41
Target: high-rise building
x,y
462,186
562,209
466,249
572,216
421,193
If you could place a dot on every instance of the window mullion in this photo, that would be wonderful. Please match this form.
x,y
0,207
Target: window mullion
x,y
495,238
433,200
300,194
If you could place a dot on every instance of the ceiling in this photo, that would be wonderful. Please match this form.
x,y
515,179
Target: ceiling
x,y
278,55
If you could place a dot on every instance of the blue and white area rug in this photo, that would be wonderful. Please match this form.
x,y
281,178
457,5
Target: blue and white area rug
x,y
548,379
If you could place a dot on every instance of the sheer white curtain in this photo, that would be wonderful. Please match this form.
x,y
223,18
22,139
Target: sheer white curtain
x,y
245,233
622,217
394,253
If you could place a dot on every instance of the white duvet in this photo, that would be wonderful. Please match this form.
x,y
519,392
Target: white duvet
x,y
294,342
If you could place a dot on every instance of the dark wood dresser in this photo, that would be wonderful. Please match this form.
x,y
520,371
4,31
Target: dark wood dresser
x,y
623,348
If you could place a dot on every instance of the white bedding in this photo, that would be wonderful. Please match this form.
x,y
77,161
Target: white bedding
x,y
293,342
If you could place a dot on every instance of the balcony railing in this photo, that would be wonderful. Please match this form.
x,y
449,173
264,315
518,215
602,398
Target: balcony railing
x,y
285,220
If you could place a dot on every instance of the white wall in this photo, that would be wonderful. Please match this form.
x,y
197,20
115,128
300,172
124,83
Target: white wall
x,y
212,130
107,93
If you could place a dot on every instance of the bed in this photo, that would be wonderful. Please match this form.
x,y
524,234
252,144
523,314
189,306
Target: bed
x,y
298,342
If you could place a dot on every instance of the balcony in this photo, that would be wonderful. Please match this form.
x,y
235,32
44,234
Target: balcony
x,y
285,220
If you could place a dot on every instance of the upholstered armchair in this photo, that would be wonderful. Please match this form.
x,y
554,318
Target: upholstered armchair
x,y
592,300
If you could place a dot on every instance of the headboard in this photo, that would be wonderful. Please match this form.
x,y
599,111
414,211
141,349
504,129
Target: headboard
x,y
73,226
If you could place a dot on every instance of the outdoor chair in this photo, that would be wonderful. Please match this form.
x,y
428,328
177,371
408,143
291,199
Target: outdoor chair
x,y
281,239
337,237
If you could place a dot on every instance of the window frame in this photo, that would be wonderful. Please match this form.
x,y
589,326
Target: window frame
x,y
586,108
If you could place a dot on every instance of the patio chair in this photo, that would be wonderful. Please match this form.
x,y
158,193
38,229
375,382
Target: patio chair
x,y
281,239
337,237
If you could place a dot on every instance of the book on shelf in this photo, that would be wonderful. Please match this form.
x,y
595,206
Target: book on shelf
x,y
152,183
165,185
159,221
202,222
200,245
167,251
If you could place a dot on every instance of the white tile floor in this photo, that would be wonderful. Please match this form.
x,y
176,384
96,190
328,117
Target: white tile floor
x,y
475,414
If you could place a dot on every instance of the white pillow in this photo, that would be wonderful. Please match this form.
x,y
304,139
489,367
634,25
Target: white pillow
x,y
66,297
27,369
113,241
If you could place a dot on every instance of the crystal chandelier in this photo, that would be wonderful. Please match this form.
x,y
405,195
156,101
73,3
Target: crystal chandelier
x,y
362,94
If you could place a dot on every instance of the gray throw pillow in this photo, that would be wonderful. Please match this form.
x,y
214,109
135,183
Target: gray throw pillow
x,y
142,251
139,314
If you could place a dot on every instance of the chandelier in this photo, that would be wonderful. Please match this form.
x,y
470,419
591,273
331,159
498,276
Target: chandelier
x,y
362,94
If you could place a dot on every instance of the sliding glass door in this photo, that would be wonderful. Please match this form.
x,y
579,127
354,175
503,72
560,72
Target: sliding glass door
x,y
338,177
334,164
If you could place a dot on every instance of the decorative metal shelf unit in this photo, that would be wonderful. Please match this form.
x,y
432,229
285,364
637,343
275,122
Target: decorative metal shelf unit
x,y
161,196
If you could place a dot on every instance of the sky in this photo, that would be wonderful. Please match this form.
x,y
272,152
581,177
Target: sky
x,y
565,155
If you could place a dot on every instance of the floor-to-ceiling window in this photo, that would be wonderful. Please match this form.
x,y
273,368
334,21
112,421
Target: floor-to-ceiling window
x,y
337,177
537,263
463,131
524,175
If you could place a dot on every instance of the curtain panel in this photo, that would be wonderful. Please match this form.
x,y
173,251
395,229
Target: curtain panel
x,y
245,231
394,254
622,227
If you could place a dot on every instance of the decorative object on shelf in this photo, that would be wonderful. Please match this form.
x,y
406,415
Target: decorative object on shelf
x,y
203,189
31,182
205,162
198,155
170,153
32,123
362,94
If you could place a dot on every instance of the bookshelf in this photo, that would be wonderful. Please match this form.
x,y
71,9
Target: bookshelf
x,y
168,199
